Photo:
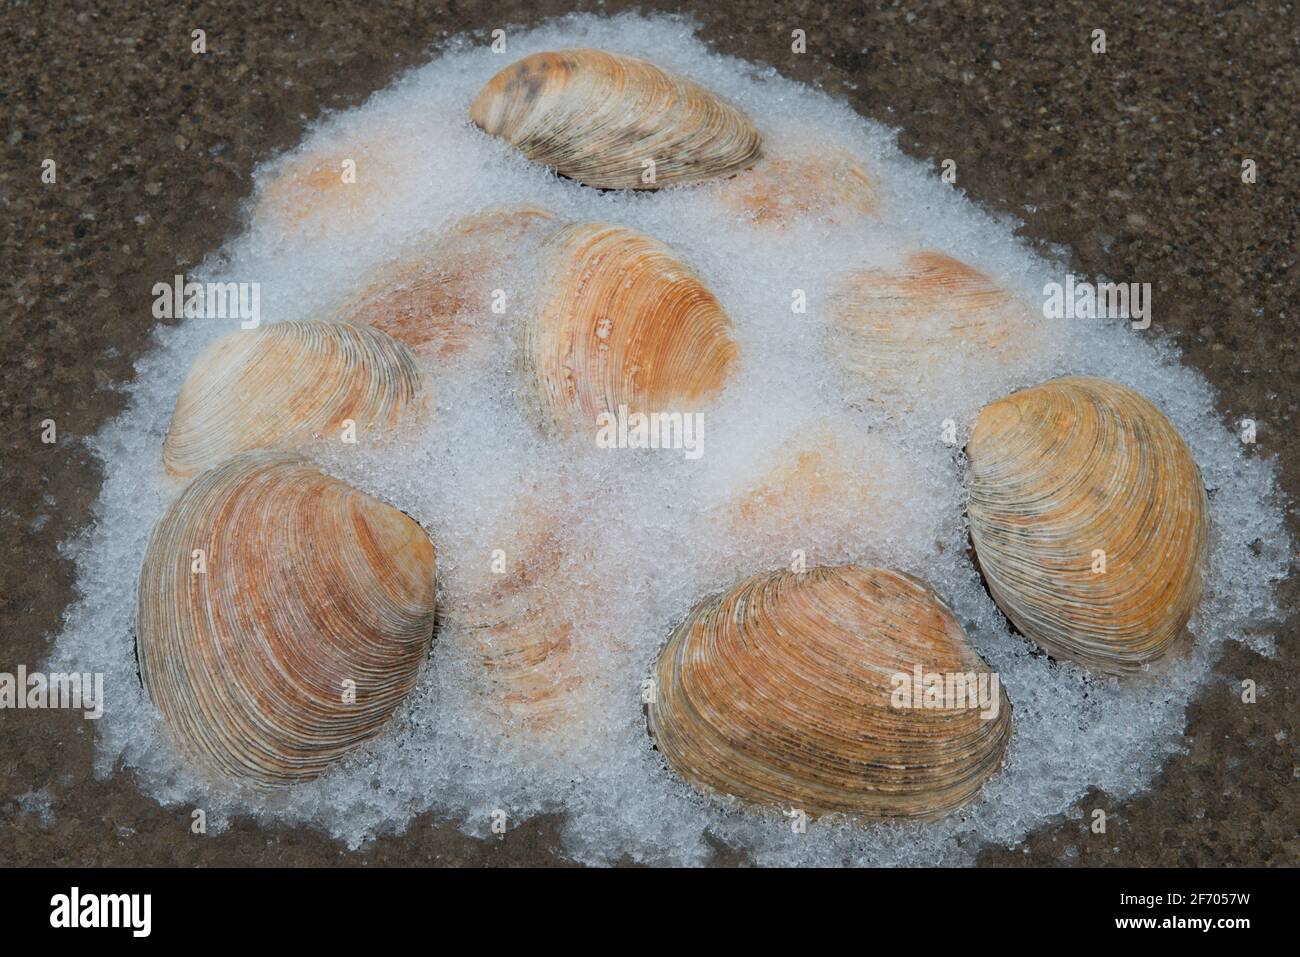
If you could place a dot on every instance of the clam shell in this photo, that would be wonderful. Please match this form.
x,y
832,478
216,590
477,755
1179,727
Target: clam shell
x,y
531,670
780,692
597,118
284,385
778,191
437,299
623,323
312,194
818,493
520,620
309,584
896,336
813,474
1077,465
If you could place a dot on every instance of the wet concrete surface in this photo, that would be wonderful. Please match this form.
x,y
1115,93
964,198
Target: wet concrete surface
x,y
1132,159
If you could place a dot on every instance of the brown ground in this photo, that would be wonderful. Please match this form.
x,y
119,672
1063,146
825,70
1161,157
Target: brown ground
x,y
1131,158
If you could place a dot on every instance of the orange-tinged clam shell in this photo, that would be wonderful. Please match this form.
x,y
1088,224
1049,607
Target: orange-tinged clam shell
x,y
518,605
899,335
785,689
602,119
808,478
816,497
1089,521
284,385
282,616
779,190
314,193
623,324
437,298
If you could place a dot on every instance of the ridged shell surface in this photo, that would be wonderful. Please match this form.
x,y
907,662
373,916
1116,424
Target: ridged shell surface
x,y
285,385
601,118
899,335
1089,521
623,323
780,190
781,691
299,630
437,299
519,615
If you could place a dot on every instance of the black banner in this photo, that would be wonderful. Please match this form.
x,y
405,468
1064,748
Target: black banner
x,y
333,907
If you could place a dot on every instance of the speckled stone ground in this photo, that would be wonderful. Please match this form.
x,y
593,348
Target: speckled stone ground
x,y
1132,159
